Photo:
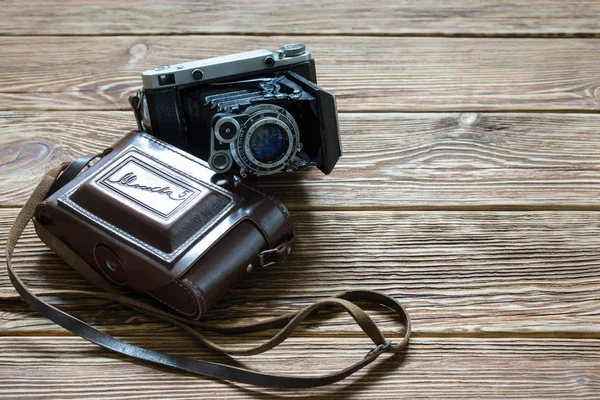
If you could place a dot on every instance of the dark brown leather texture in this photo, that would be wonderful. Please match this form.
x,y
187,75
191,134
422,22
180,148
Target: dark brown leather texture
x,y
287,323
157,220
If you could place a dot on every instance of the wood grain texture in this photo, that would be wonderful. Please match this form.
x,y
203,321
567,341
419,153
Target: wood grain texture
x,y
387,17
68,368
469,190
397,160
366,74
457,272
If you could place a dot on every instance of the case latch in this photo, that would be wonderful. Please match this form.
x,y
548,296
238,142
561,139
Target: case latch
x,y
279,254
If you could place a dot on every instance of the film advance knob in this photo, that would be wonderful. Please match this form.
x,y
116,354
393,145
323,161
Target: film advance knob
x,y
292,50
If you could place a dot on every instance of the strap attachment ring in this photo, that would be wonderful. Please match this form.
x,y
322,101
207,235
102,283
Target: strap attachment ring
x,y
278,254
380,348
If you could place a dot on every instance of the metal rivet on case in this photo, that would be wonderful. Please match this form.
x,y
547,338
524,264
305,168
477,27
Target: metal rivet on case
x,y
249,268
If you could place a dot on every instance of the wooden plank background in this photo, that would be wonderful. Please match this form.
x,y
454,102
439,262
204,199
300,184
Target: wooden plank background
x,y
366,73
468,189
388,18
391,160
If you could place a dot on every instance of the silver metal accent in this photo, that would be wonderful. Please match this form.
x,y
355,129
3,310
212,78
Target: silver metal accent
x,y
145,113
243,81
380,348
269,61
219,67
197,74
142,108
270,114
218,125
249,268
218,168
110,265
292,50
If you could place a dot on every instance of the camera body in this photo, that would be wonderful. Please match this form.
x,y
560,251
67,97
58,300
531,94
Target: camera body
x,y
252,113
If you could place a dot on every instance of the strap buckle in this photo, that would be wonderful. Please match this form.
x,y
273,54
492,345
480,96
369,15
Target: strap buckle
x,y
270,257
263,255
380,348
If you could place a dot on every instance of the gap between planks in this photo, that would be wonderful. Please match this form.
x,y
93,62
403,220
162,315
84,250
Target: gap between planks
x,y
448,74
551,35
333,335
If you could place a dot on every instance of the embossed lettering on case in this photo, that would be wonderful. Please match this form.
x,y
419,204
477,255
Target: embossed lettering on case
x,y
150,203
148,187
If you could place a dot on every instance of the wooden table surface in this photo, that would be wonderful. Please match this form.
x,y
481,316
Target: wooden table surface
x,y
469,189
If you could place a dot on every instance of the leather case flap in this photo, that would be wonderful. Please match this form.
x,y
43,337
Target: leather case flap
x,y
149,203
156,211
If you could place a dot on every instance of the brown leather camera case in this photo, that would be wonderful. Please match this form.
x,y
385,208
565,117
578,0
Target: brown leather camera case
x,y
157,220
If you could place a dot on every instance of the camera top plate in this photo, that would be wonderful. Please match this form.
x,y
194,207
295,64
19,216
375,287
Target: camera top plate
x,y
219,67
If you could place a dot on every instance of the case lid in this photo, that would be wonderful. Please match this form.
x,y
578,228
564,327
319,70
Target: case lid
x,y
149,202
160,210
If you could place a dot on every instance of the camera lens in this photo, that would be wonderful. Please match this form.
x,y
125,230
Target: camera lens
x,y
269,143
268,140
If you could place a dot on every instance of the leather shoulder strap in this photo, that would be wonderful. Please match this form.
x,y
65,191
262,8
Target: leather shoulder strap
x,y
287,323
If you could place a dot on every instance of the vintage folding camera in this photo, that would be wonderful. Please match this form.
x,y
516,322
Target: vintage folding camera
x,y
255,113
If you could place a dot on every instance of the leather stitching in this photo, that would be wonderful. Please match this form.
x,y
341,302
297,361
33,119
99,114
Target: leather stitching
x,y
199,162
175,308
285,215
199,293
165,256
